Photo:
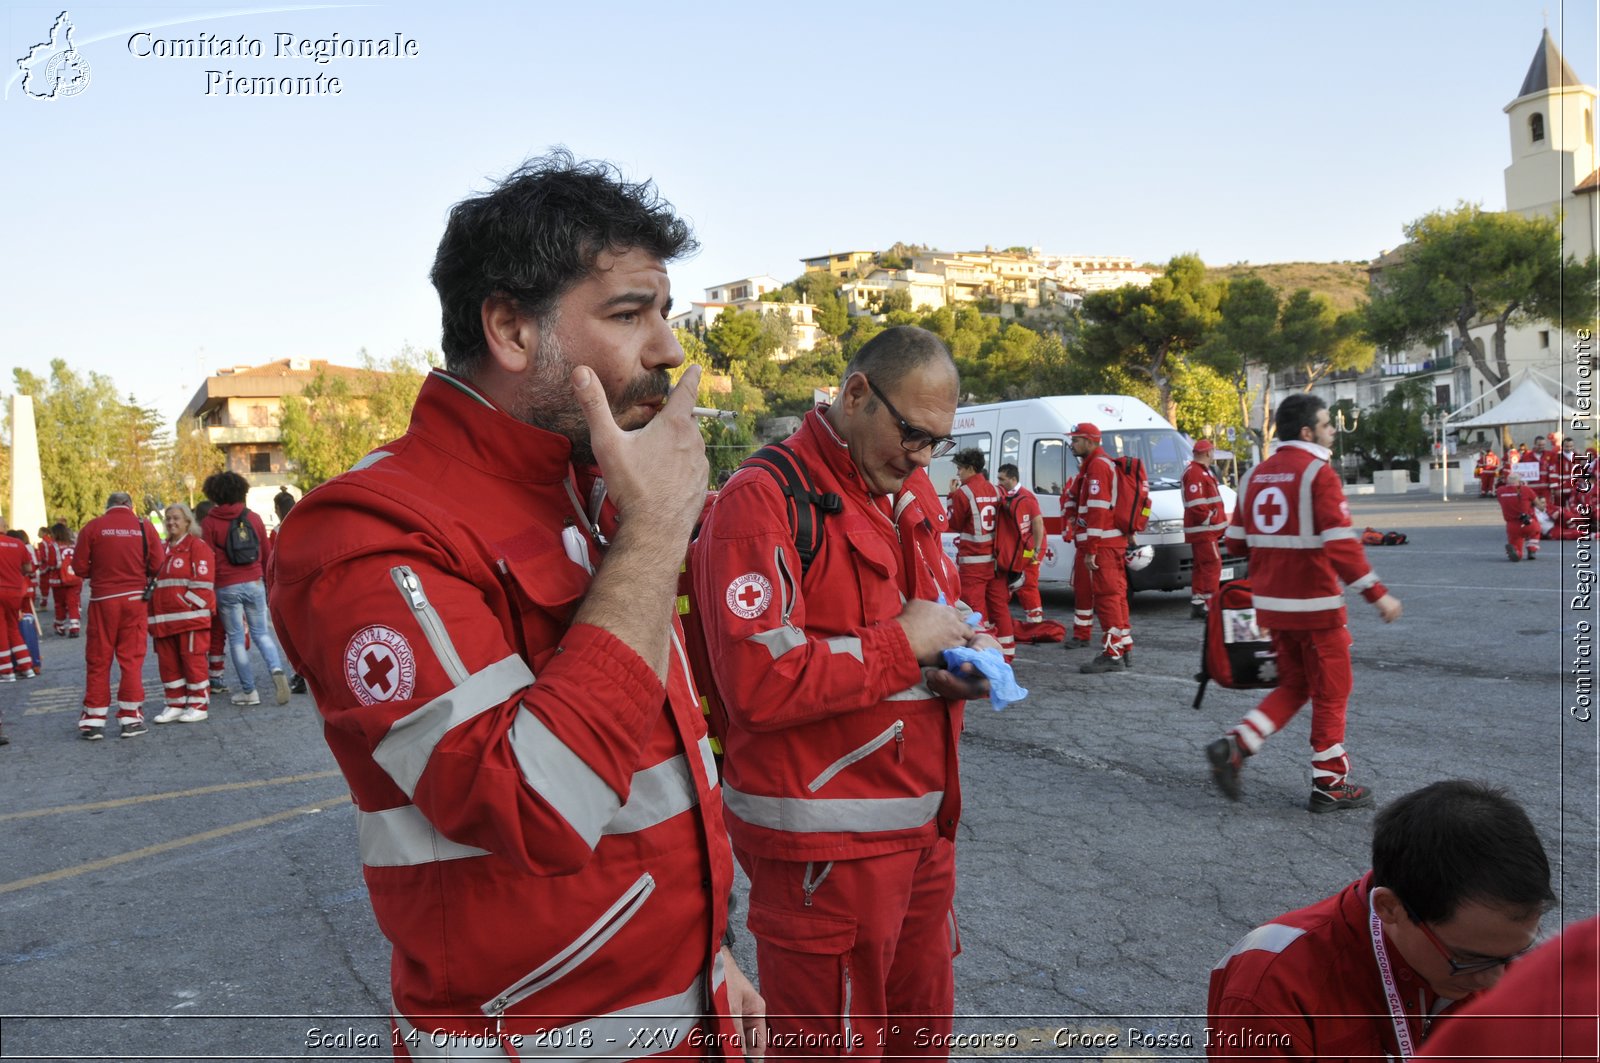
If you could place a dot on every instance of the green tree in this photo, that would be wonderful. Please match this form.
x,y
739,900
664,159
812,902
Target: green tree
x,y
895,299
1390,435
1318,340
1206,400
1467,267
92,442
1146,329
193,457
337,419
737,335
1246,334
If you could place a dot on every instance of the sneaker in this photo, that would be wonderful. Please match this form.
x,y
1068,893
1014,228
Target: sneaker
x,y
1511,553
1127,658
1227,763
297,684
218,685
280,683
74,633
246,697
194,716
1197,610
135,729
1104,663
9,677
1335,798
1076,644
1533,555
91,734
168,714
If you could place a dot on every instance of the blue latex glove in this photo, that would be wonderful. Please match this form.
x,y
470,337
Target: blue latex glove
x,y
1003,688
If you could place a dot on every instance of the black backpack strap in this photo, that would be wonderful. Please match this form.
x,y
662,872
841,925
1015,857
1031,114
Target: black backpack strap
x,y
807,504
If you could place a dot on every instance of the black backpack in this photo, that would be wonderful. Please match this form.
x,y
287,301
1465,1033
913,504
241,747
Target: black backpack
x,y
806,506
243,545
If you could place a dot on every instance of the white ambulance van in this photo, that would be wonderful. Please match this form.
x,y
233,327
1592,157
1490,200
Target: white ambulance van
x,y
1035,436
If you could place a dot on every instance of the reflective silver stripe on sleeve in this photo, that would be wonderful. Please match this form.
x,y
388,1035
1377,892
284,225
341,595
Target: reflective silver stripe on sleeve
x,y
403,837
405,750
1274,937
656,794
1235,532
1102,533
1190,503
708,759
1299,605
847,644
193,614
974,559
1096,503
174,583
1308,513
370,460
1330,534
779,640
1364,582
820,815
1286,542
564,779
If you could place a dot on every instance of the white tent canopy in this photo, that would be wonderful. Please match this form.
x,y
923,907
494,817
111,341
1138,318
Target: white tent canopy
x,y
1528,403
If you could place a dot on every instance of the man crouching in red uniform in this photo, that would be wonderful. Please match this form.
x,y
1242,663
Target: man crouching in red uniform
x,y
1458,883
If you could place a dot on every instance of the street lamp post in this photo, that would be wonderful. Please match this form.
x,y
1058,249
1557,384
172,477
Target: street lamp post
x,y
1339,423
188,481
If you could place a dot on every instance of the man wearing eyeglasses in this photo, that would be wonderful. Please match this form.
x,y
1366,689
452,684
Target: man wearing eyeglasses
x,y
1459,881
840,773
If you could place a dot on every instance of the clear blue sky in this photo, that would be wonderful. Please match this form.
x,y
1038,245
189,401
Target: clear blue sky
x,y
155,233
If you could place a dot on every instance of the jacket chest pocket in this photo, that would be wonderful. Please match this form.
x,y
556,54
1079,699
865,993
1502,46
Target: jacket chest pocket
x,y
875,560
544,589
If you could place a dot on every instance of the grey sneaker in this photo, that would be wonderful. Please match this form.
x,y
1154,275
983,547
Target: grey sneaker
x,y
1337,798
246,697
135,729
1104,663
1227,763
280,683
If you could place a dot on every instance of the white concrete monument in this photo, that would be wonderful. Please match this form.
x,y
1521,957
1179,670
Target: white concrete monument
x,y
26,510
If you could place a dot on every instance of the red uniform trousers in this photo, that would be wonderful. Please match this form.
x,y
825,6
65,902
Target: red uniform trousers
x,y
1109,586
1518,533
1312,666
1028,595
182,660
14,656
856,955
117,626
1082,598
1206,576
982,589
1486,483
216,653
68,613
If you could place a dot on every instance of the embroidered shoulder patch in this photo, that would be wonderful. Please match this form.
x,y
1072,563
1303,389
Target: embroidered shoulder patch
x,y
379,665
749,595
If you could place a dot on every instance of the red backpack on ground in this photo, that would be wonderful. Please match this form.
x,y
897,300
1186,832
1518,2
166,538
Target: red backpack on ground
x,y
1235,652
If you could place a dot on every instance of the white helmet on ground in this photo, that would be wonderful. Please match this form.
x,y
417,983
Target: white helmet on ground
x,y
1140,557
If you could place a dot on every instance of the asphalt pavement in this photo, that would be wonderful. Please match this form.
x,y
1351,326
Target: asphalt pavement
x,y
195,893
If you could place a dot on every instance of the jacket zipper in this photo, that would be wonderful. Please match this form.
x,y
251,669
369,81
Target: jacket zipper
x,y
849,1043
585,945
894,733
428,619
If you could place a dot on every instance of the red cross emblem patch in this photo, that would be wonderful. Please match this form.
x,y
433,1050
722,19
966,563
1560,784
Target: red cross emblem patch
x,y
379,665
749,595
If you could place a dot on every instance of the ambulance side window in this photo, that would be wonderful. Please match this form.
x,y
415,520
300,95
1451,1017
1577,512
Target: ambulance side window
x,y
1010,450
1053,463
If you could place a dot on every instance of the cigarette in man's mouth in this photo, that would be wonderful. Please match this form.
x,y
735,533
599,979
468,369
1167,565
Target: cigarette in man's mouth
x,y
706,411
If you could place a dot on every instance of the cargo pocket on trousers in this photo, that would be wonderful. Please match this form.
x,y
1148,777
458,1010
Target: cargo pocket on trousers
x,y
810,958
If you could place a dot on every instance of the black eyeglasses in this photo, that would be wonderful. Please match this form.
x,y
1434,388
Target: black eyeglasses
x,y
912,438
1488,963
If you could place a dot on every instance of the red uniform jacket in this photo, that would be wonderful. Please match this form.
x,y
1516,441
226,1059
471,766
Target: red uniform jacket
x,y
1516,500
1543,1009
16,560
1095,503
835,748
214,530
1029,520
1204,516
548,850
1306,986
974,510
1293,523
63,575
110,555
185,594
1489,462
